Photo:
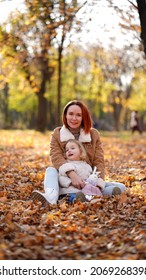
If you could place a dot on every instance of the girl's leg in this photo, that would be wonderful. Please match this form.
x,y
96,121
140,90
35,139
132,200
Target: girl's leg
x,y
112,188
51,187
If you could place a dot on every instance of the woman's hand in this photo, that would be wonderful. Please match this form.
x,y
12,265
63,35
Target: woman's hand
x,y
77,182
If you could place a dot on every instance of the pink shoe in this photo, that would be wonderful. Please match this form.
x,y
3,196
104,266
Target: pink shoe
x,y
91,190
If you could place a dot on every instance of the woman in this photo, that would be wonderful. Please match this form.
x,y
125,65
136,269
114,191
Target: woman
x,y
77,124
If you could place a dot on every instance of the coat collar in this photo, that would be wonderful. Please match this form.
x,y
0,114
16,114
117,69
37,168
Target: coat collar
x,y
65,135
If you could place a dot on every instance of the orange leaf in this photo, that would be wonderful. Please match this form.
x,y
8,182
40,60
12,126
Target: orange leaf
x,y
123,199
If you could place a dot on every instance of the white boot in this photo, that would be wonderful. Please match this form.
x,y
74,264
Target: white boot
x,y
50,196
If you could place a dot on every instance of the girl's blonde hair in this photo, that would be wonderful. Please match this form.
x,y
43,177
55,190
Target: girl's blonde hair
x,y
81,147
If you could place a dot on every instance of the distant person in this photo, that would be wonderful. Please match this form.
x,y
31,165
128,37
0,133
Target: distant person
x,y
134,122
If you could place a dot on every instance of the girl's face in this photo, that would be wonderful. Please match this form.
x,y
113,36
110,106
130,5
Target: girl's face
x,y
72,151
74,116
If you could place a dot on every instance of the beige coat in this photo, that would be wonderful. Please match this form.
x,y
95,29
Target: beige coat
x,y
91,142
80,167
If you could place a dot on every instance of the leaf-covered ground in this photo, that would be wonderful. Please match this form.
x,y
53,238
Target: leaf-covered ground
x,y
107,228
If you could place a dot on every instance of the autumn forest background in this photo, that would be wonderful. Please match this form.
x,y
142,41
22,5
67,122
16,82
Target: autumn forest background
x,y
52,52
48,56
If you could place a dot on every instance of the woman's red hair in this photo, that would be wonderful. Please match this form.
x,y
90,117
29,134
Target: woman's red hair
x,y
86,117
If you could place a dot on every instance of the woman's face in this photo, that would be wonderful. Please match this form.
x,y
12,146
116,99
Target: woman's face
x,y
74,116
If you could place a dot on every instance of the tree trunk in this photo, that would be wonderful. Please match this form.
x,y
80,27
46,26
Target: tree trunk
x,y
116,114
126,119
42,101
6,110
42,113
142,16
59,84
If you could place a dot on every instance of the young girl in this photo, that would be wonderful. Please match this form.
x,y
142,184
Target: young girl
x,y
76,161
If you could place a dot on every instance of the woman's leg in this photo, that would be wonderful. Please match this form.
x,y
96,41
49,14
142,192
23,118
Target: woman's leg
x,y
51,179
112,188
51,187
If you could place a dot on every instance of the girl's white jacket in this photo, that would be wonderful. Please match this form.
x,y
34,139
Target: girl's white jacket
x,y
81,168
